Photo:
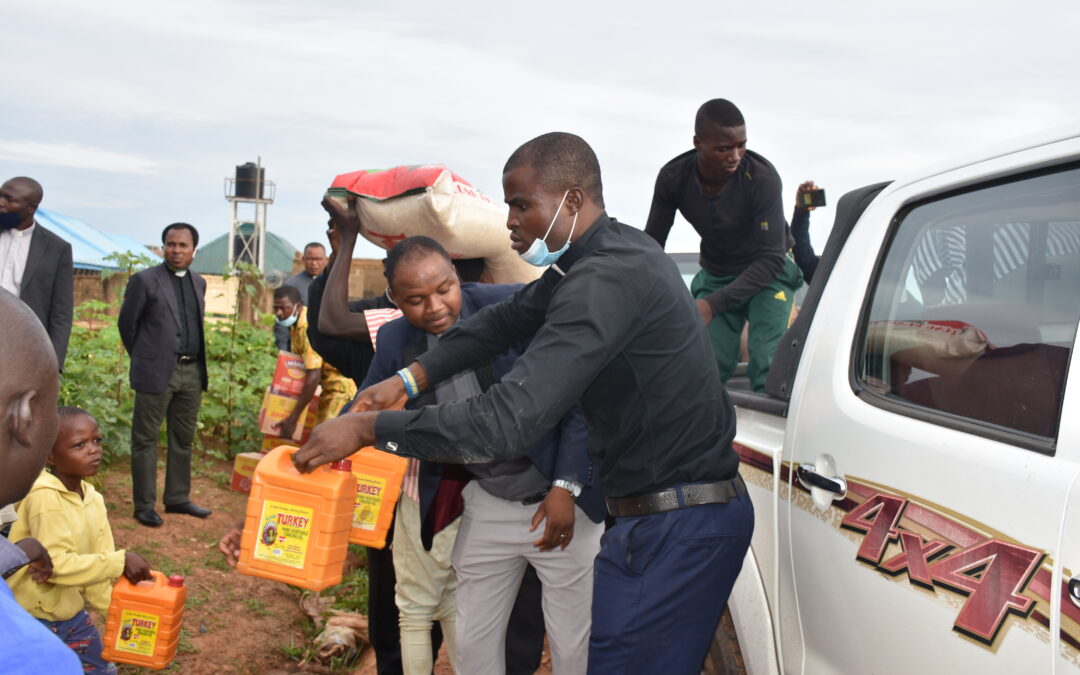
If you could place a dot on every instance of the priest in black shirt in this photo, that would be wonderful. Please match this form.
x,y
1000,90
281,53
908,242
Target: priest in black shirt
x,y
161,326
731,196
612,328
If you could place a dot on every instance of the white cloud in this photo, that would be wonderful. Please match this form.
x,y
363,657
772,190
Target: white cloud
x,y
76,156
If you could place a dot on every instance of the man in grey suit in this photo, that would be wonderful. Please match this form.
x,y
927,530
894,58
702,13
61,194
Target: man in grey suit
x,y
35,264
161,325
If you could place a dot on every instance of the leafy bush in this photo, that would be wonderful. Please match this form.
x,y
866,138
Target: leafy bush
x,y
96,376
240,362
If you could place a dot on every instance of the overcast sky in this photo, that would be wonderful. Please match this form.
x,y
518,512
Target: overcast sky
x,y
133,113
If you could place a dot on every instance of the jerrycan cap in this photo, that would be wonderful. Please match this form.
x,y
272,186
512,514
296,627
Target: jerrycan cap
x,y
177,580
342,465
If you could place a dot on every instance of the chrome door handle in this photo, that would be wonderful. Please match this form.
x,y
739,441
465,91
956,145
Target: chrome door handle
x,y
810,478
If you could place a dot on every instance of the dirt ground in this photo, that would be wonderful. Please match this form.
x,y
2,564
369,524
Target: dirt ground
x,y
232,623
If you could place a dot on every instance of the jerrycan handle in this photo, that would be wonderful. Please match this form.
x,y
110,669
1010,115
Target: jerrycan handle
x,y
283,458
156,579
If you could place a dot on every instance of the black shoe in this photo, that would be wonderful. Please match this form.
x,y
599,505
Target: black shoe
x,y
149,518
189,509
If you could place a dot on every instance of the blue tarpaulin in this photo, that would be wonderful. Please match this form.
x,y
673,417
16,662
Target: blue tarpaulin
x,y
89,246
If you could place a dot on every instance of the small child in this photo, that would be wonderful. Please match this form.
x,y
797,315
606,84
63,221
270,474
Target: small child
x,y
67,515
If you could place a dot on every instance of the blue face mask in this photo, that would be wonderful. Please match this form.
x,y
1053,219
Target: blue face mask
x,y
538,253
287,322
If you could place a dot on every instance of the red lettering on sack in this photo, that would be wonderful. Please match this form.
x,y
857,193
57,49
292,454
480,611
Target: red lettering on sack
x,y
387,241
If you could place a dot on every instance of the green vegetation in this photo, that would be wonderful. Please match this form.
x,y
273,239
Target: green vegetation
x,y
256,606
350,595
240,361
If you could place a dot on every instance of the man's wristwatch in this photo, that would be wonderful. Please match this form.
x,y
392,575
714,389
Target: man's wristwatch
x,y
570,486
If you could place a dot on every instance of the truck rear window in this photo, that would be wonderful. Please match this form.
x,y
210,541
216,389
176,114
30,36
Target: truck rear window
x,y
974,310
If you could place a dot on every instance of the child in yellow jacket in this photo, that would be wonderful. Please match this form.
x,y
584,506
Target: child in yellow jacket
x,y
67,515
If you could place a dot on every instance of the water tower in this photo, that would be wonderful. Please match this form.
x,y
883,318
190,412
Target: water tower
x,y
247,228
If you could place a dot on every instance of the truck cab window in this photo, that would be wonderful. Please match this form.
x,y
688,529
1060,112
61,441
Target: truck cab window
x,y
974,310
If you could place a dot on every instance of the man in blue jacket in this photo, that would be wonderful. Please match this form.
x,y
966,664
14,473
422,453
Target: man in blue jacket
x,y
504,502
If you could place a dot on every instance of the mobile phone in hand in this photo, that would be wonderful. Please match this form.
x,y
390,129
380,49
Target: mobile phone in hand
x,y
812,198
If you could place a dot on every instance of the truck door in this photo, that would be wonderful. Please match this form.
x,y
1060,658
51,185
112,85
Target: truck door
x,y
927,482
1067,568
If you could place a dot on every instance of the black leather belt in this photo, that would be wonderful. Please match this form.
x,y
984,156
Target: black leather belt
x,y
186,358
679,497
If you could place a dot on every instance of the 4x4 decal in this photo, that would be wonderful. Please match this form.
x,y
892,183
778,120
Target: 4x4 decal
x,y
997,576
993,574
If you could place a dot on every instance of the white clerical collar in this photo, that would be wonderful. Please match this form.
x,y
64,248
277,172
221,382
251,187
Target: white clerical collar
x,y
24,233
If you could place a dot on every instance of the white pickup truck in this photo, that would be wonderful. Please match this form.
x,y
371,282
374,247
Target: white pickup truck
x,y
914,464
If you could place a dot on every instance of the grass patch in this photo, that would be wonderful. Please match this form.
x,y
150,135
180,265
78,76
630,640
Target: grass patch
x,y
256,606
149,546
208,537
351,595
184,645
293,651
219,475
215,560
299,652
196,599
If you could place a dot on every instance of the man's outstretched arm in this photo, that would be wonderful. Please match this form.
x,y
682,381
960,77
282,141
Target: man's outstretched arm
x,y
574,344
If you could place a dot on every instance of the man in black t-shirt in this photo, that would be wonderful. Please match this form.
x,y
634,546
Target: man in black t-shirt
x,y
731,196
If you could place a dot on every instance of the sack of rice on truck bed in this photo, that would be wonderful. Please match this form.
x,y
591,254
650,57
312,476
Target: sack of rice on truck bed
x,y
432,200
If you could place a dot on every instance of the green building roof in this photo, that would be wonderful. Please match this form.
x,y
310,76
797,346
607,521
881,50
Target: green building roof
x,y
212,256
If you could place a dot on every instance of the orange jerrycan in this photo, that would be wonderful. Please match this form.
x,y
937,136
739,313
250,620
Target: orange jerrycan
x,y
378,486
296,528
143,624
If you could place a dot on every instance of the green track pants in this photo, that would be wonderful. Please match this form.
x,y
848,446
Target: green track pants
x,y
768,312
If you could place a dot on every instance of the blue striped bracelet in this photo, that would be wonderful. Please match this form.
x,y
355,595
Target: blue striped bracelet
x,y
410,383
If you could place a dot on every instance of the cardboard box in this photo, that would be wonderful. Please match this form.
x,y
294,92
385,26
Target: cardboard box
x,y
243,468
271,442
276,407
289,375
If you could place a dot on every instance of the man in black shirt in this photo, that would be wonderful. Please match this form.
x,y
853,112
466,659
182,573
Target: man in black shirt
x,y
612,328
732,198
161,326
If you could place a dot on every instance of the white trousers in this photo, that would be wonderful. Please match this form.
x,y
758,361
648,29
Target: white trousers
x,y
425,587
493,546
